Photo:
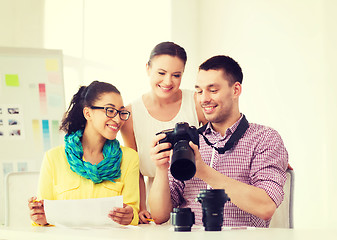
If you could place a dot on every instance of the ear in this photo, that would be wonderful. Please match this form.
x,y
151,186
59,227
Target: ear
x,y
86,113
148,69
237,89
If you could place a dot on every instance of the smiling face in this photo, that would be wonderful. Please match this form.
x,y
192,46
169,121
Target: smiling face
x,y
98,122
219,100
165,73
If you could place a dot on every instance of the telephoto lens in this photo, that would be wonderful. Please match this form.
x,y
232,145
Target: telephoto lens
x,y
183,162
182,219
212,202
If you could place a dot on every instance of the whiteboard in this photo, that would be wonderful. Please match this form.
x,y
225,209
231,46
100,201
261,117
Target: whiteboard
x,y
32,104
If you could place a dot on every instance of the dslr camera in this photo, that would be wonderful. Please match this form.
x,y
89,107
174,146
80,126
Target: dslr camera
x,y
182,162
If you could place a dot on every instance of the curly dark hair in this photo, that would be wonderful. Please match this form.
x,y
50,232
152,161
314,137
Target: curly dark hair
x,y
73,118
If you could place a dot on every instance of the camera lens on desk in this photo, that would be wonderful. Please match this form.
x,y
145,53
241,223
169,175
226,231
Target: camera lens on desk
x,y
212,202
182,219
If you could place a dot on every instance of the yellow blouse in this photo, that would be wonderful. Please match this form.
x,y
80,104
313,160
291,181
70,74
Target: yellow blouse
x,y
58,182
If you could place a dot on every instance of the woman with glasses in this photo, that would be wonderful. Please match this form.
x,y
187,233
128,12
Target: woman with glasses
x,y
91,163
160,109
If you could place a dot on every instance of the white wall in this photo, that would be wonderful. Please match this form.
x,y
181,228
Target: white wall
x,y
185,32
107,40
287,50
21,23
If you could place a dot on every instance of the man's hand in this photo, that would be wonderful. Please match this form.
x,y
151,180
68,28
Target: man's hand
x,y
200,165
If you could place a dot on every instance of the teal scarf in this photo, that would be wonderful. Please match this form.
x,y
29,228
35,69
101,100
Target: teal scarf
x,y
107,169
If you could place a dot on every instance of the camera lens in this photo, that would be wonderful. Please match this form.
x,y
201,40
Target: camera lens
x,y
183,162
182,219
212,202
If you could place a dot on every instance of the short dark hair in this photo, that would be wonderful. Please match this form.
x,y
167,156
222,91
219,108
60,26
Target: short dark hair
x,y
228,65
73,118
168,48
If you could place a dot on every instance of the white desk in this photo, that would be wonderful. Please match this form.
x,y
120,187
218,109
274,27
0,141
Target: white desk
x,y
164,232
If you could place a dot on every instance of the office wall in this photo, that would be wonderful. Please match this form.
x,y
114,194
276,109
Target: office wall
x,y
21,23
287,50
185,32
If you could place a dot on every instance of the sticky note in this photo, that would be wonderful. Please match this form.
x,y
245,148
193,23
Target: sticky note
x,y
54,77
52,65
12,80
46,134
43,98
36,130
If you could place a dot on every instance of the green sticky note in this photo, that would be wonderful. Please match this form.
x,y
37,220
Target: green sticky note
x,y
12,80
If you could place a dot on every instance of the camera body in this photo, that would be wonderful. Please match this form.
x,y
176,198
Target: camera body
x,y
183,162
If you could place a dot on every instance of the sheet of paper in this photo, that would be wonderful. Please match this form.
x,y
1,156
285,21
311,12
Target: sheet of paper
x,y
83,212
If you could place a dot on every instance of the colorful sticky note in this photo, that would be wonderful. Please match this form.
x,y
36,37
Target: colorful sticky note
x,y
43,98
54,100
46,135
12,80
36,131
52,65
54,77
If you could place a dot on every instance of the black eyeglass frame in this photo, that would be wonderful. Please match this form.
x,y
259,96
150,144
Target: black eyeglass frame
x,y
119,112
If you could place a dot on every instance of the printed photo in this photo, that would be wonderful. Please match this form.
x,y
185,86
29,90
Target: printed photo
x,y
16,132
13,110
7,168
12,122
22,166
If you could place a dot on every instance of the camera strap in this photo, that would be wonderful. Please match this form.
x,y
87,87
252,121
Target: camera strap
x,y
238,133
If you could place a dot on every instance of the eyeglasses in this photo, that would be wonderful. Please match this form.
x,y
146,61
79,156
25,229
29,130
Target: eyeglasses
x,y
112,112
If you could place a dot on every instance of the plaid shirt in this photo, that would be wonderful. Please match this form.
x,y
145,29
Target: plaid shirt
x,y
259,159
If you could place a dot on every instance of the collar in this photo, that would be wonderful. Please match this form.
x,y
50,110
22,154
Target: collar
x,y
209,129
240,128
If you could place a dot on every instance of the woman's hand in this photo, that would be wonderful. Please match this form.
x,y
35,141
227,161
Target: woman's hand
x,y
37,214
159,156
144,215
122,215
